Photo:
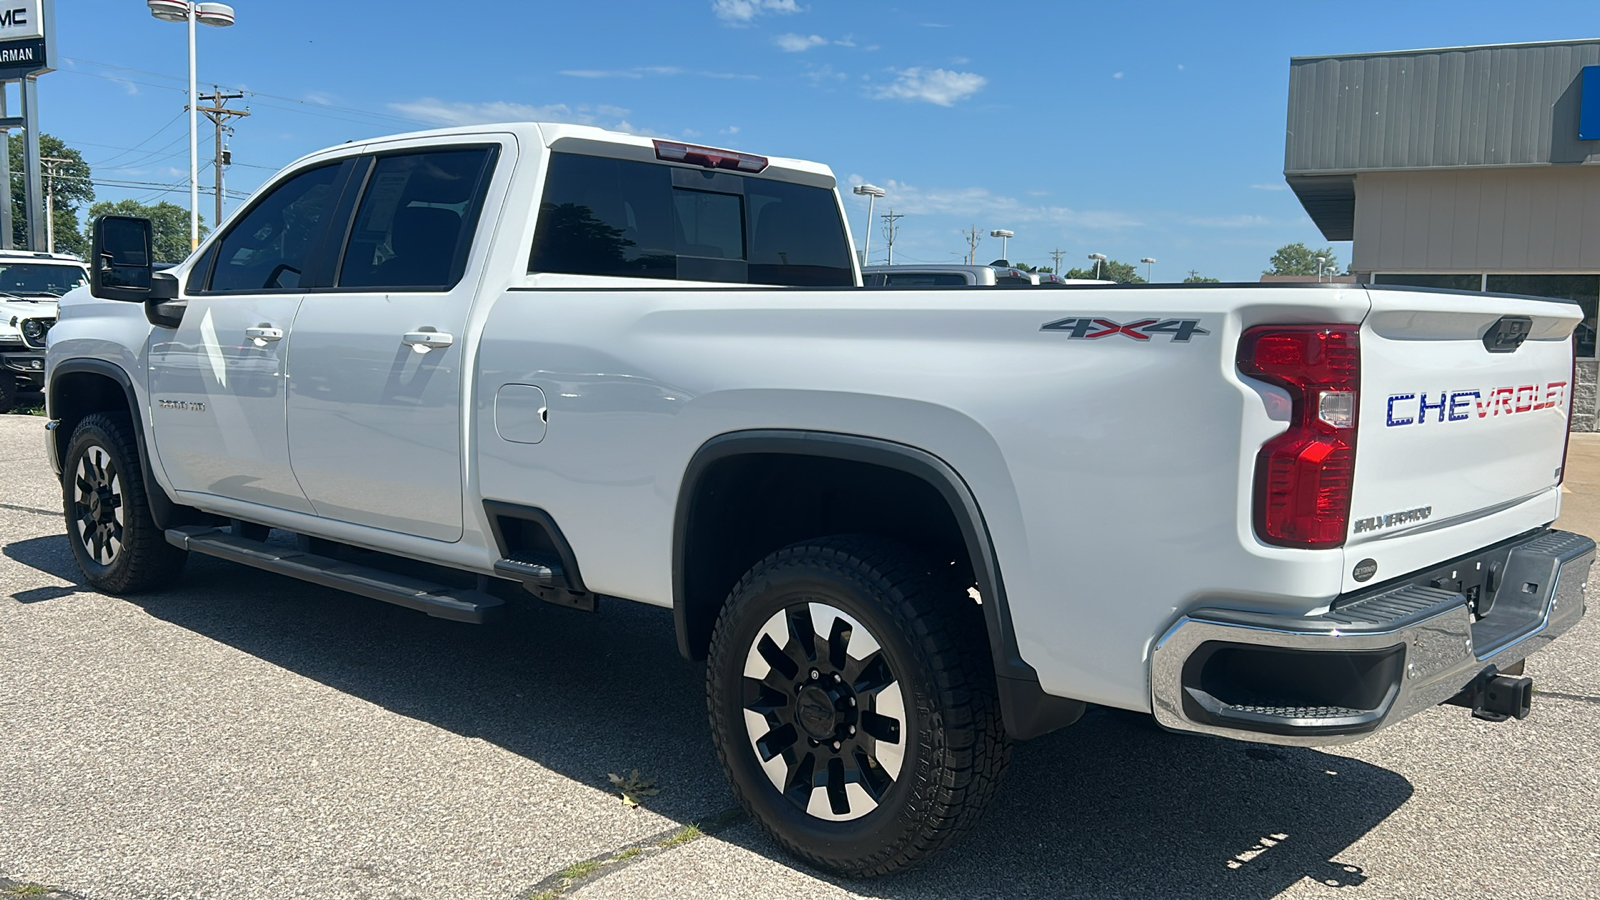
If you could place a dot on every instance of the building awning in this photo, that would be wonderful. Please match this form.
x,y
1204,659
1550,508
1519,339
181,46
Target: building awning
x,y
1330,201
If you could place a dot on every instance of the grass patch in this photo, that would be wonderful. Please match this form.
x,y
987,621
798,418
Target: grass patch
x,y
683,836
27,409
551,894
25,890
629,853
581,869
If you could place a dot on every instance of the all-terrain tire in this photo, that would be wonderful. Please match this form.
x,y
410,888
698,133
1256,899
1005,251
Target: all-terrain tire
x,y
109,527
908,789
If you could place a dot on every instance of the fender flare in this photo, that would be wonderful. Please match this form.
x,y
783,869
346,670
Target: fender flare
x,y
163,509
1028,711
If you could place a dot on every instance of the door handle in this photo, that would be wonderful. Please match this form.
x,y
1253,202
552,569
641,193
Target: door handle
x,y
263,334
423,341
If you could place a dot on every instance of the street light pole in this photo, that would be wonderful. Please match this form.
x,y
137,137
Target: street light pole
x,y
1149,267
872,192
194,142
219,15
1098,259
1005,237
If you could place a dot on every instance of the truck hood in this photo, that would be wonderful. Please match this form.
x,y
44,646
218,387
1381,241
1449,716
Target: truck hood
x,y
44,308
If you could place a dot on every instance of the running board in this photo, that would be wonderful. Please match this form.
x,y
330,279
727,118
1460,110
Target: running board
x,y
436,600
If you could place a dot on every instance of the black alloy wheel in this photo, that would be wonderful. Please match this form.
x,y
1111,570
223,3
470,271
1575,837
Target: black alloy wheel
x,y
852,699
97,514
113,537
824,711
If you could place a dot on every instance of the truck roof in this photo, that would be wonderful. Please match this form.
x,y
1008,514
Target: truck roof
x,y
16,256
548,134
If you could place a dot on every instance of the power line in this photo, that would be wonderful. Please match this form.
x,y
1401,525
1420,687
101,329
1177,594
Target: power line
x,y
136,147
254,94
1055,256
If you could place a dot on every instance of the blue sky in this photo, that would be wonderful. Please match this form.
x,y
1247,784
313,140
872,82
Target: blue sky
x,y
1131,129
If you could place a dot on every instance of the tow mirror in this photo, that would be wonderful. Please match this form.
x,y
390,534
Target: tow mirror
x,y
120,262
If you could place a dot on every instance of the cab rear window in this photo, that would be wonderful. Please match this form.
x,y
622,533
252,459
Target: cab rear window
x,y
632,219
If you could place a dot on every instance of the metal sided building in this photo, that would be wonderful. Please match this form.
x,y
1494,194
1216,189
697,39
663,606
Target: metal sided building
x,y
1475,168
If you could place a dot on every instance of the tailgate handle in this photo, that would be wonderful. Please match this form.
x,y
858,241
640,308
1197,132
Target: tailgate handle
x,y
1507,334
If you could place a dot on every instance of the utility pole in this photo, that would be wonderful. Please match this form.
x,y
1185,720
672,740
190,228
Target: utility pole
x,y
890,229
219,114
50,201
974,237
1055,256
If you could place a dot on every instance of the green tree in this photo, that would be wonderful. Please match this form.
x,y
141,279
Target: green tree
x,y
1195,277
1110,270
73,191
169,222
1298,259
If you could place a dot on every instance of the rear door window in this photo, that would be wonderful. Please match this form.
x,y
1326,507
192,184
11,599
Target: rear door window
x,y
634,219
416,219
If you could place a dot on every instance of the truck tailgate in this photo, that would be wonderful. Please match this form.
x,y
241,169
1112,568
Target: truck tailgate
x,y
1465,403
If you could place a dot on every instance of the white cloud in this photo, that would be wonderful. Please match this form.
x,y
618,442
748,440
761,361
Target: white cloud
x,y
1242,220
824,73
441,112
742,12
984,203
731,129
1116,75
938,86
799,43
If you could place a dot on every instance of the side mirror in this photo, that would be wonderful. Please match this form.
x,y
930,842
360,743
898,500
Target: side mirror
x,y
120,258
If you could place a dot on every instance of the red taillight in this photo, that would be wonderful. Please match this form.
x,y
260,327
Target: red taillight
x,y
710,157
1304,476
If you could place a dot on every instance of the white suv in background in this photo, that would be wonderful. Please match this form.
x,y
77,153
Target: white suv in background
x,y
30,285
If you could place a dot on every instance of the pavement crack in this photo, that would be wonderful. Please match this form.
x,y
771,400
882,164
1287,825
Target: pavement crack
x,y
588,871
52,513
1580,698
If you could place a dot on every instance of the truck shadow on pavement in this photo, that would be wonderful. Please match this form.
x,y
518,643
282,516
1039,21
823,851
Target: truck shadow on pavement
x,y
1109,807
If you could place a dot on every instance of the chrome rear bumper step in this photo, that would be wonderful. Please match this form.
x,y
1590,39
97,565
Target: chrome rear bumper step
x,y
434,599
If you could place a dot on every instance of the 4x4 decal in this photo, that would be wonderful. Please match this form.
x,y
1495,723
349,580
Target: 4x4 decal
x,y
1090,329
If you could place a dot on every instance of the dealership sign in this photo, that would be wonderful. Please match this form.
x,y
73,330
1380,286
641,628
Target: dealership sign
x,y
27,37
1589,105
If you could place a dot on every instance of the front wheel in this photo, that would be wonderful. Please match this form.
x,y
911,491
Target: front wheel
x,y
114,539
852,699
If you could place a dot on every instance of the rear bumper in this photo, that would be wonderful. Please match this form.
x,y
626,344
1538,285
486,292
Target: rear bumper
x,y
1377,656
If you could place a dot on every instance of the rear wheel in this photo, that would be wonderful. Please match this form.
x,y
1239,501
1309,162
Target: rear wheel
x,y
114,539
853,703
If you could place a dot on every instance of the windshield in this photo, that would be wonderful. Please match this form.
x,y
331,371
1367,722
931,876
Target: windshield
x,y
40,279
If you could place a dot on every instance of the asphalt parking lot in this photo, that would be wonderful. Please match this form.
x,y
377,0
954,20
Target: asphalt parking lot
x,y
249,736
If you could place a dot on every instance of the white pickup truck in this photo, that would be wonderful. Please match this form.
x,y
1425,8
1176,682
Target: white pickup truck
x,y
903,526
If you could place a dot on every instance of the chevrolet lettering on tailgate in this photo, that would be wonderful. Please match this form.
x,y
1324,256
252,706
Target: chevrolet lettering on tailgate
x,y
1458,406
